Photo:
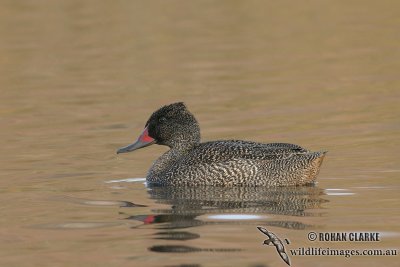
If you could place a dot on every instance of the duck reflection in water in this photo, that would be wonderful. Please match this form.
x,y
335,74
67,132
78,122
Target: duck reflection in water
x,y
188,203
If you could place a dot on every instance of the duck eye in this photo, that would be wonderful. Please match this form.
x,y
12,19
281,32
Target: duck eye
x,y
162,119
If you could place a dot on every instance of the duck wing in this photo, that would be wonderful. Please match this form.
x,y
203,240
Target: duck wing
x,y
226,150
251,144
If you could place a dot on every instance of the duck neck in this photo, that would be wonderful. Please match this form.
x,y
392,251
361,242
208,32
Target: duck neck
x,y
167,160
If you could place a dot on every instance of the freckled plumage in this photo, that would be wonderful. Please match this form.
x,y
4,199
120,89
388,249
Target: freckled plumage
x,y
220,163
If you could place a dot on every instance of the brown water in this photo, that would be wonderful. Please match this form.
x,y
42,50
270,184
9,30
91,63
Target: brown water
x,y
80,78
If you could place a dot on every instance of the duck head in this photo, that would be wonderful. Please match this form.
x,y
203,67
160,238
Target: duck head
x,y
172,125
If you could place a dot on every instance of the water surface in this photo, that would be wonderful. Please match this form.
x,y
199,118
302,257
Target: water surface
x,y
80,78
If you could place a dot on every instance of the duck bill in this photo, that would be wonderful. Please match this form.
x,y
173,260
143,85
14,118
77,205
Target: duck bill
x,y
143,141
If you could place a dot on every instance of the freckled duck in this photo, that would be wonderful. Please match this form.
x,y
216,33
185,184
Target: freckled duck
x,y
220,163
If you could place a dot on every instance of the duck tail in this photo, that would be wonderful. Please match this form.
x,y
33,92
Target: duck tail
x,y
315,165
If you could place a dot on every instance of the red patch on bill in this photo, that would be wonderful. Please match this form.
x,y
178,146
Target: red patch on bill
x,y
144,137
149,219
